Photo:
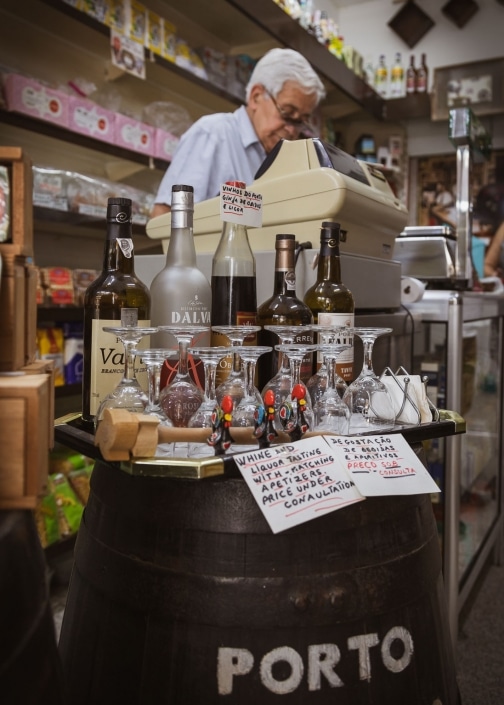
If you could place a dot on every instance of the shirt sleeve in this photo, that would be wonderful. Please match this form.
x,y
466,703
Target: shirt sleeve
x,y
193,164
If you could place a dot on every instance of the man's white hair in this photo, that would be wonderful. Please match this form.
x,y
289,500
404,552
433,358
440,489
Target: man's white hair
x,y
281,65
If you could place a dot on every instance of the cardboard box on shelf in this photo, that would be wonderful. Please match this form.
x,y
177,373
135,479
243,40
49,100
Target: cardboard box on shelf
x,y
135,135
28,96
89,118
165,144
24,423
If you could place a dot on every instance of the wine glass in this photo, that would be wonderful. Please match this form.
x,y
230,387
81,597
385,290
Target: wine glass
x,y
281,383
296,354
235,383
317,384
245,411
128,394
330,412
367,397
202,418
182,397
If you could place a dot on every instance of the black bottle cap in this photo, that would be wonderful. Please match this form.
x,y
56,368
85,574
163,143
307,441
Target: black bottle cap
x,y
285,237
182,187
119,210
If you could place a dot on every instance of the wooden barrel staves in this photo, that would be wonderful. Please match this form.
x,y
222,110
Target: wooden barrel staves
x,y
181,594
30,670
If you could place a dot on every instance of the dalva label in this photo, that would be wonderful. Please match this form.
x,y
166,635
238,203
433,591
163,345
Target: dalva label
x,y
321,662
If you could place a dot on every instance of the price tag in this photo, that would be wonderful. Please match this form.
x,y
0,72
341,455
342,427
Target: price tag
x,y
382,465
297,482
240,206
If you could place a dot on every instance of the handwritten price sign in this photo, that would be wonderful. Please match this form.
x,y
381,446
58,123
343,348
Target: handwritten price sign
x,y
382,465
240,206
297,482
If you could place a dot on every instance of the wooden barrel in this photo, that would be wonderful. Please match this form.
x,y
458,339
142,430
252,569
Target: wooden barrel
x,y
181,595
30,670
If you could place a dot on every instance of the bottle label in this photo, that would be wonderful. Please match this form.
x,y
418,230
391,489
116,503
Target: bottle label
x,y
126,246
344,363
194,313
290,279
107,360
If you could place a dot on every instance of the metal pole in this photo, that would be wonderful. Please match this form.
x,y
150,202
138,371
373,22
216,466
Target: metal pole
x,y
453,462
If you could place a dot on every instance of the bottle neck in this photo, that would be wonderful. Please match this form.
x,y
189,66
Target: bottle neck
x,y
181,251
329,265
285,273
234,255
118,254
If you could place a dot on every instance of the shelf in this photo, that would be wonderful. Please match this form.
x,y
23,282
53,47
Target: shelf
x,y
59,314
49,129
78,220
416,105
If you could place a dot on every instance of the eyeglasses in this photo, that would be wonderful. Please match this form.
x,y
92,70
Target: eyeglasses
x,y
298,123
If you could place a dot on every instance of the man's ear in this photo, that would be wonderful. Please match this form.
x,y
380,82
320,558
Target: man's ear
x,y
256,94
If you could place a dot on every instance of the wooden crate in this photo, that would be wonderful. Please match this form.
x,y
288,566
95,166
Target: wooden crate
x,y
24,438
18,309
21,198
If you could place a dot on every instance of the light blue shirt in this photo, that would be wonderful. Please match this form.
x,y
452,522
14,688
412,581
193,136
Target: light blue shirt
x,y
215,149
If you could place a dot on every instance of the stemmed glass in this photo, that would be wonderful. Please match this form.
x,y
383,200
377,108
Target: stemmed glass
x,y
245,411
330,411
295,354
128,394
367,397
281,383
182,397
202,418
235,383
317,384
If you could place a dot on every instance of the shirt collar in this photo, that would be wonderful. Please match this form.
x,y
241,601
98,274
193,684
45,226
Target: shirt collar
x,y
247,132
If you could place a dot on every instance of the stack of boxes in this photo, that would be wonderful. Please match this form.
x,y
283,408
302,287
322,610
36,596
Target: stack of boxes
x,y
26,384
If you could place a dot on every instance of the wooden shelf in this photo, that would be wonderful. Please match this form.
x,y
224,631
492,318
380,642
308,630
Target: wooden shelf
x,y
416,105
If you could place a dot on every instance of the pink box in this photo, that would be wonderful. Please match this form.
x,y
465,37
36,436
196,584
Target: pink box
x,y
134,135
25,95
165,144
91,119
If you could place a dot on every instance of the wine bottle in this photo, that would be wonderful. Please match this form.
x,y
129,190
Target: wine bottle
x,y
116,297
283,308
180,292
397,77
411,76
422,83
329,300
381,77
234,298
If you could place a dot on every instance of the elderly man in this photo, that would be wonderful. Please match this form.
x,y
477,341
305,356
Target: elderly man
x,y
282,93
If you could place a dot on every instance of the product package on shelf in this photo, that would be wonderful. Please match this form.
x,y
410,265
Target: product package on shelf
x,y
89,118
18,205
30,97
165,144
135,135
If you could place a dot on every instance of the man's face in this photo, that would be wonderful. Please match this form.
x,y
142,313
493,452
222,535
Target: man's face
x,y
268,115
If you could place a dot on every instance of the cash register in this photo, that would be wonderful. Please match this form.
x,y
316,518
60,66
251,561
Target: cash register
x,y
303,183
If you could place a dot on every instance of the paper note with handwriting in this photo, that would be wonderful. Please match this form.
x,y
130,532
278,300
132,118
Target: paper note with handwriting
x,y
382,465
296,482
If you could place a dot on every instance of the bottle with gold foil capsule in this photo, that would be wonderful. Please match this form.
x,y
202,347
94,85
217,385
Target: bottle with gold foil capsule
x,y
283,308
234,298
116,297
329,299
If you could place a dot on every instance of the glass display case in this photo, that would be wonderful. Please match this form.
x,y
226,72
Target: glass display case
x,y
458,346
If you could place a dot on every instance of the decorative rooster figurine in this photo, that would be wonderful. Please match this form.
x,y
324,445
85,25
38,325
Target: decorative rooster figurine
x,y
292,413
264,417
221,437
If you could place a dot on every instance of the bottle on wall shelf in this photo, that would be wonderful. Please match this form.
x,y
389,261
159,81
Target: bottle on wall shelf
x,y
397,87
180,292
116,297
381,77
283,308
411,77
422,83
329,300
233,283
